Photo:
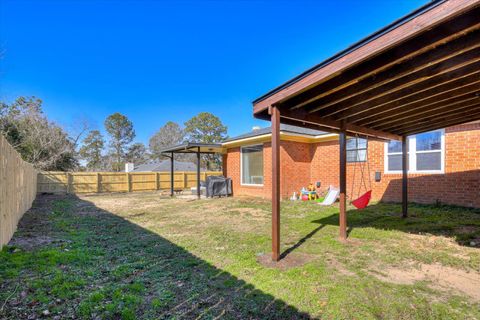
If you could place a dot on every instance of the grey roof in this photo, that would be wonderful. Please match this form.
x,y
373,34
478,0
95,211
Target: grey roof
x,y
284,128
164,165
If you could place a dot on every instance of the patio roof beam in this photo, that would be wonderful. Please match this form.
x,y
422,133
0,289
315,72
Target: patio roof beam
x,y
335,126
418,101
441,122
444,124
340,109
444,110
383,104
423,61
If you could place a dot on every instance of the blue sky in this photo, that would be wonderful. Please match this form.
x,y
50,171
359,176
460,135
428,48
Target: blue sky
x,y
156,61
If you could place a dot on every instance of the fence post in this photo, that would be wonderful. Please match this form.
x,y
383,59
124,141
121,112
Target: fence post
x,y
69,182
157,181
98,182
129,187
185,182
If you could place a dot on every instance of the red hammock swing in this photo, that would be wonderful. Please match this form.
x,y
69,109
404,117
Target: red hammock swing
x,y
363,200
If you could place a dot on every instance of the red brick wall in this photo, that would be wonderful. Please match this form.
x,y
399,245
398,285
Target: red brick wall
x,y
231,163
294,169
304,163
295,159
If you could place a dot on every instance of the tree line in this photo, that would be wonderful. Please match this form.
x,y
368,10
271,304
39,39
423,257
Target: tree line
x,y
50,147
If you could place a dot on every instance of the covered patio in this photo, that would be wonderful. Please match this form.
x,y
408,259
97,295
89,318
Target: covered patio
x,y
418,74
189,148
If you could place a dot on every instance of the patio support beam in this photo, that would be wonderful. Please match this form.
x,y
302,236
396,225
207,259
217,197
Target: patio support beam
x,y
198,173
333,125
404,177
343,183
275,119
172,170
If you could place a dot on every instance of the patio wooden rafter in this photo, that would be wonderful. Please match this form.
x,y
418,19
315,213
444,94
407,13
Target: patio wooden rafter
x,y
418,74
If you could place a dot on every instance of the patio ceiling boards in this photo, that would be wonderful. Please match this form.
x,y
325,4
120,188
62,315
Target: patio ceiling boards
x,y
418,74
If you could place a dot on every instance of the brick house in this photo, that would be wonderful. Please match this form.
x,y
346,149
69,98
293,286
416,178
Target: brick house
x,y
444,165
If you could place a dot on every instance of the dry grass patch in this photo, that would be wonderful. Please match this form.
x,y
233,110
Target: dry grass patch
x,y
438,277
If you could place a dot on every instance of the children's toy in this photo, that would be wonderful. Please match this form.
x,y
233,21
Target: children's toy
x,y
294,197
331,197
310,192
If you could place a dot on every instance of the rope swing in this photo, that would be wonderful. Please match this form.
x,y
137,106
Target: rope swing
x,y
362,200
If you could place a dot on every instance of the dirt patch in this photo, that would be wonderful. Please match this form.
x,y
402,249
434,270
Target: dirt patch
x,y
251,212
338,266
439,276
467,229
30,243
292,260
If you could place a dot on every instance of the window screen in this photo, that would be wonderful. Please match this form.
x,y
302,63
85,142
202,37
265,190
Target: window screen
x,y
357,150
429,151
252,164
394,155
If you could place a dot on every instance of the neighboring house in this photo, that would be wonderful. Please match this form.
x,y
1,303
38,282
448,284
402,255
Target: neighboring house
x,y
444,165
164,166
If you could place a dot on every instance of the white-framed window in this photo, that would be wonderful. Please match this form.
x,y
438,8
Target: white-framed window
x,y
251,165
426,153
357,150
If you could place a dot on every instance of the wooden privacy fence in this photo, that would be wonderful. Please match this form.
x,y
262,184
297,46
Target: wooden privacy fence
x,y
95,182
18,188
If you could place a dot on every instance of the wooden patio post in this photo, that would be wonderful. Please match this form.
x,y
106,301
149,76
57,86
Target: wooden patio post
x,y
343,184
198,173
404,177
275,114
172,170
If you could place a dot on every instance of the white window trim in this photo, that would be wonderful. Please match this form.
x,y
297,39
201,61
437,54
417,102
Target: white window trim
x,y
412,156
241,167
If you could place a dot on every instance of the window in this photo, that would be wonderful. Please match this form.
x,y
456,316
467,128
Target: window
x,y
252,165
357,150
426,153
394,156
429,151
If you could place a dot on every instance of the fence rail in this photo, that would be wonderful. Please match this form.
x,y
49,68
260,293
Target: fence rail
x,y
18,188
97,182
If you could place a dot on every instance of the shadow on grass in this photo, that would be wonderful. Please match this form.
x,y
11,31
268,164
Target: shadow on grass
x,y
301,242
101,265
463,224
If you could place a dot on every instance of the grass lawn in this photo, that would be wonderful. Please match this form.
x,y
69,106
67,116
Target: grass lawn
x,y
141,256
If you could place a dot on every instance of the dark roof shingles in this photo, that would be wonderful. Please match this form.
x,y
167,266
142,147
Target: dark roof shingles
x,y
283,127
